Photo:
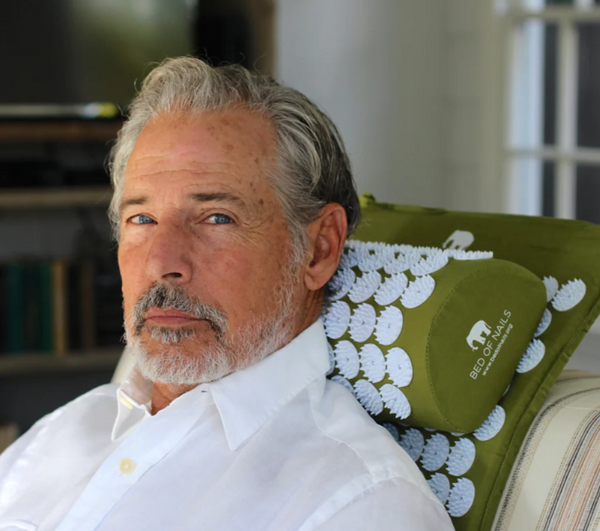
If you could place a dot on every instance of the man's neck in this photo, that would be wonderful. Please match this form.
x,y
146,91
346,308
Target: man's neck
x,y
164,394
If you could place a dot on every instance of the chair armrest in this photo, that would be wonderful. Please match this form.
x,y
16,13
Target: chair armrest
x,y
555,481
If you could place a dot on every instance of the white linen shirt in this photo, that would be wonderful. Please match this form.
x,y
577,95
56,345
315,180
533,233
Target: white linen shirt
x,y
272,447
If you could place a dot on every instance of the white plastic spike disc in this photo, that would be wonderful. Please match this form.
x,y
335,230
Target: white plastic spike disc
x,y
391,288
461,497
392,429
461,458
365,287
533,355
346,359
543,324
418,291
371,261
368,396
403,262
440,485
435,452
569,295
551,287
337,319
342,381
459,254
362,323
399,367
341,283
412,441
372,362
395,400
432,263
492,425
348,259
389,325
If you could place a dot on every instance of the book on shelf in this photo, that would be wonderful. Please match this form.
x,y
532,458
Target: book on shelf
x,y
8,434
57,306
13,307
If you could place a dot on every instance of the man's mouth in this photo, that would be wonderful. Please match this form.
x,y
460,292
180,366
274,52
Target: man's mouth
x,y
168,317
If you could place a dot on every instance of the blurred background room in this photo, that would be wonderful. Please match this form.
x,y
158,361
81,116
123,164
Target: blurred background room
x,y
480,105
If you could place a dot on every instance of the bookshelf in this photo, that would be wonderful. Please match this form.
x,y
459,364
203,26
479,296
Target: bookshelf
x,y
36,198
49,136
59,131
30,363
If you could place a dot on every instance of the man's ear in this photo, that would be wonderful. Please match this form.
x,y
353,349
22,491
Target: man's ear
x,y
327,235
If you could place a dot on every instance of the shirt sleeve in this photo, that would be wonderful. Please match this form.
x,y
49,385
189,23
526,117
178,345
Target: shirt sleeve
x,y
16,449
392,505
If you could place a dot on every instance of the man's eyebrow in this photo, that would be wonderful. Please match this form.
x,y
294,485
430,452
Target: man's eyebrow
x,y
219,197
131,201
202,197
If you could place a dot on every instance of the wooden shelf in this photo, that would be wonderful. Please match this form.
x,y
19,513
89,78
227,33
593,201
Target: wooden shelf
x,y
68,131
23,198
20,364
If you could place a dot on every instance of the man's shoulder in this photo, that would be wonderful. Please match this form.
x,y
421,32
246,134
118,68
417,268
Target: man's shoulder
x,y
341,453
88,405
86,412
102,393
360,442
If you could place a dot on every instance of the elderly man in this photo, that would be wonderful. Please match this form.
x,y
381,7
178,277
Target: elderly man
x,y
232,200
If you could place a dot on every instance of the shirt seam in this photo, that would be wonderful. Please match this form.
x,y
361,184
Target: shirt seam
x,y
327,515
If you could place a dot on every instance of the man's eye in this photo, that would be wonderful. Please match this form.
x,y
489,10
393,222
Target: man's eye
x,y
141,220
218,219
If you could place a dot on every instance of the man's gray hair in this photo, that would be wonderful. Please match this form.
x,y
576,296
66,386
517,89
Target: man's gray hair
x,y
312,167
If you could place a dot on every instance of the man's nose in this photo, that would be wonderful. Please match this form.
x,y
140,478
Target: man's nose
x,y
169,255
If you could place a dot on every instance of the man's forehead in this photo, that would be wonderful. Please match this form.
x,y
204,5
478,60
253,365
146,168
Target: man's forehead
x,y
225,131
212,143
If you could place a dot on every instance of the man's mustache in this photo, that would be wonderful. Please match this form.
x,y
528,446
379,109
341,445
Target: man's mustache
x,y
174,297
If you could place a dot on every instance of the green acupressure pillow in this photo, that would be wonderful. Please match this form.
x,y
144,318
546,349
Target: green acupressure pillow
x,y
469,472
428,336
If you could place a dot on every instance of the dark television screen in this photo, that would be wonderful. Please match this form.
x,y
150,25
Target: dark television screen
x,y
80,51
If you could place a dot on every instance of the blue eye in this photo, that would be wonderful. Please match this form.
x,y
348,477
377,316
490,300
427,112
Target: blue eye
x,y
219,219
141,220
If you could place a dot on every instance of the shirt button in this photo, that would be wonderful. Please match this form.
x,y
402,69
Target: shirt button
x,y
126,466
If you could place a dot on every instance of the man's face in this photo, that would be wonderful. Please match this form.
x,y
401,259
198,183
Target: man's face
x,y
204,250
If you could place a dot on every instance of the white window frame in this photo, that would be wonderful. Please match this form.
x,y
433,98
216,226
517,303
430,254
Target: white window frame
x,y
526,153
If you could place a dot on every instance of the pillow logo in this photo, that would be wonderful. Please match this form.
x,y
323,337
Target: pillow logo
x,y
491,340
459,239
478,334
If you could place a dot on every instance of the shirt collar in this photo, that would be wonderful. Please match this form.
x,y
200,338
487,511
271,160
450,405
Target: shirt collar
x,y
245,399
134,400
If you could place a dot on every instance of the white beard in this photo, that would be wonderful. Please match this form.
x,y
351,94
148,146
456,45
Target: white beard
x,y
253,342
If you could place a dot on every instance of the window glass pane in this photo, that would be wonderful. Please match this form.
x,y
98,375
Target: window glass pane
x,y
548,190
533,100
588,193
550,83
526,186
588,105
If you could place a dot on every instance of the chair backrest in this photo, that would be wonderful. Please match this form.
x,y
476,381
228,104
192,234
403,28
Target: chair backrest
x,y
126,363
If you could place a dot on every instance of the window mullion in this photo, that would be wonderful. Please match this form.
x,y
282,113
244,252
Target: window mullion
x,y
565,196
525,176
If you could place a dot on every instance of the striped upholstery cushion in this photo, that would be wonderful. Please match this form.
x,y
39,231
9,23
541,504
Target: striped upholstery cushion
x,y
555,481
